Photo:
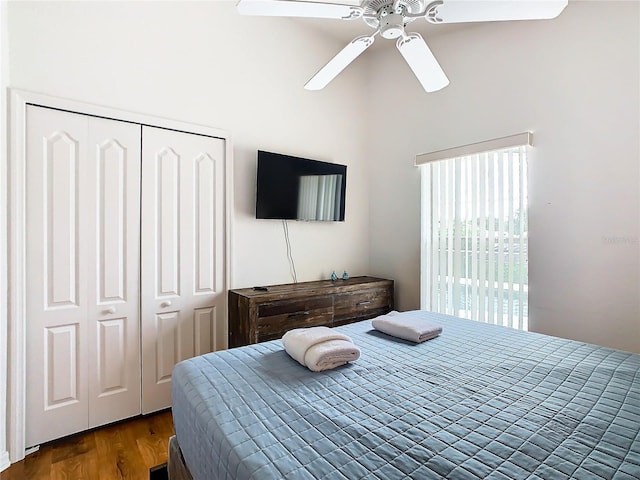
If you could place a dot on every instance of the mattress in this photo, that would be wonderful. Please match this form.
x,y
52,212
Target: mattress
x,y
478,402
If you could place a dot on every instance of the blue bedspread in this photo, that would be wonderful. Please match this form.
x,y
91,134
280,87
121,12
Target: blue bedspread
x,y
478,402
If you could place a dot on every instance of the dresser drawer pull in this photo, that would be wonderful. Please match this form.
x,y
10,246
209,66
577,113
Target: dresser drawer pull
x,y
367,302
298,314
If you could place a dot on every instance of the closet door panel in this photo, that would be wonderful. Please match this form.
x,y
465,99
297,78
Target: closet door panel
x,y
167,186
206,336
82,261
61,157
114,258
57,402
166,342
112,347
206,274
62,366
182,257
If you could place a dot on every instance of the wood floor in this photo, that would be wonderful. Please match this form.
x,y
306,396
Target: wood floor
x,y
124,451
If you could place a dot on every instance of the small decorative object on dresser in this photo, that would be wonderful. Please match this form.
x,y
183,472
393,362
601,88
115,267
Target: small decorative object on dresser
x,y
257,315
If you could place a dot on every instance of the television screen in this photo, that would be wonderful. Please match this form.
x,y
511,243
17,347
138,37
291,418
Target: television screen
x,y
293,188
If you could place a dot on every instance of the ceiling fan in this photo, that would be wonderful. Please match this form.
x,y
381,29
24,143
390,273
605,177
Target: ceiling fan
x,y
389,18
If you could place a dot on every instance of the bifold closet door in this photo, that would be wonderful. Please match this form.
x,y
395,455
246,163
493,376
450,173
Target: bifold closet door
x,y
183,237
82,257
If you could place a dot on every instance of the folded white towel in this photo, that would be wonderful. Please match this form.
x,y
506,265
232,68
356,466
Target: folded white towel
x,y
300,341
411,325
330,354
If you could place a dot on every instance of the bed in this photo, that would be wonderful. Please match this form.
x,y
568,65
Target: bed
x,y
478,402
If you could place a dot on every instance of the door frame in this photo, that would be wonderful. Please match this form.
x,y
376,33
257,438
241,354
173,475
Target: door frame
x,y
16,234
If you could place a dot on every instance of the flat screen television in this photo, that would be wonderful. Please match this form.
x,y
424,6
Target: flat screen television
x,y
293,188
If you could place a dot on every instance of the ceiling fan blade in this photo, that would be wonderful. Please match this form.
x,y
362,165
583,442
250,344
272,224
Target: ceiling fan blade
x,y
424,65
289,8
460,11
338,63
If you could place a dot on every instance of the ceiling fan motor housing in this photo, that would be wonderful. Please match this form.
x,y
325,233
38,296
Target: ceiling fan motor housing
x,y
392,25
390,16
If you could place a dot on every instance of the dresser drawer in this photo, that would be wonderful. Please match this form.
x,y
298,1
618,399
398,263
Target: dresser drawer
x,y
274,319
361,305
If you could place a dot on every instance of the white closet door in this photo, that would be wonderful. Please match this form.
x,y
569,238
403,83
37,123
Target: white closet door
x,y
114,266
81,358
57,397
182,255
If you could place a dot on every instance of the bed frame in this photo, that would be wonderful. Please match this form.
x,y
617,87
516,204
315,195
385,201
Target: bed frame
x,y
176,466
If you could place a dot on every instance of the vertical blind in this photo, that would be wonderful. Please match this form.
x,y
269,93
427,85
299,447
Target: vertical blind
x,y
474,237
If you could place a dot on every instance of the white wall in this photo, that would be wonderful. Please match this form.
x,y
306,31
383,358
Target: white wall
x,y
4,79
201,62
573,81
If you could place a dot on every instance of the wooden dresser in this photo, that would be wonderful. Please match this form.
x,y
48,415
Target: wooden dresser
x,y
257,316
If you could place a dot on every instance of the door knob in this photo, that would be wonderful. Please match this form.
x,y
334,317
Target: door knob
x,y
165,304
109,310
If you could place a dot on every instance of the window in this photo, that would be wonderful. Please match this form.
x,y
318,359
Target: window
x,y
474,233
